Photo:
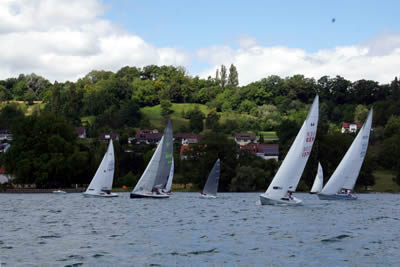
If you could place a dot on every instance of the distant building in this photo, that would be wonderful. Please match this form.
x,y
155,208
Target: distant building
x,y
187,138
243,139
350,127
108,136
5,134
146,137
81,132
265,151
185,149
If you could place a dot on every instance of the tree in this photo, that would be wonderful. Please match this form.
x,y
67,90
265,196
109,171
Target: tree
x,y
233,79
196,120
244,180
360,113
29,96
212,120
223,76
47,154
166,108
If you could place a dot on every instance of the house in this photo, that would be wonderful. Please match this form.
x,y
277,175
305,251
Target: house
x,y
4,147
4,178
245,138
350,127
265,151
107,136
147,137
187,138
185,149
5,134
81,132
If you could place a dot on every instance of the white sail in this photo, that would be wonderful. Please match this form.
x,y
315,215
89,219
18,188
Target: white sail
x,y
103,178
289,173
319,180
148,178
346,173
170,177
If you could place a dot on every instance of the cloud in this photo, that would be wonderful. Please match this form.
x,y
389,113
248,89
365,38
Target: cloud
x,y
377,59
65,39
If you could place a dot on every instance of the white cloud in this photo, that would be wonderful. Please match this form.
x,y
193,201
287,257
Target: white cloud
x,y
65,39
377,59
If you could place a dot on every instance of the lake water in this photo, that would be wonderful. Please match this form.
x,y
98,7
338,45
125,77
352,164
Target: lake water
x,y
232,230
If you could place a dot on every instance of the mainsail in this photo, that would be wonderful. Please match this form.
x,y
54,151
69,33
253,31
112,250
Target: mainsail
x,y
289,173
346,173
211,186
103,178
157,171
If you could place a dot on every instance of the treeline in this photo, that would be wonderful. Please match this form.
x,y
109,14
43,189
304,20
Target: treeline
x,y
104,101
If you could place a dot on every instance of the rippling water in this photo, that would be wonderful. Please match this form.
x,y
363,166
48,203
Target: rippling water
x,y
70,230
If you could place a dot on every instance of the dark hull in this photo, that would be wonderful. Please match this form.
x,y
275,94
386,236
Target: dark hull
x,y
133,195
337,197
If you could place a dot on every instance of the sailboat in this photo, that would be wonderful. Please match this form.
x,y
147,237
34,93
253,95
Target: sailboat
x,y
155,176
343,179
318,182
211,186
167,188
288,176
101,184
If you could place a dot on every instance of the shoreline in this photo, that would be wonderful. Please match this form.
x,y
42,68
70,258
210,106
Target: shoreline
x,y
38,191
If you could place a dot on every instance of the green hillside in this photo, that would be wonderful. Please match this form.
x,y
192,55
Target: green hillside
x,y
384,182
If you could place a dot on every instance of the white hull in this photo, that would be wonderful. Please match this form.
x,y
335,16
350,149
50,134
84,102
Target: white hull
x,y
207,196
283,201
59,192
100,195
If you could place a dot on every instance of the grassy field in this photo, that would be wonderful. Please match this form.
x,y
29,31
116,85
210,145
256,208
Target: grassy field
x,y
27,109
384,182
269,135
178,121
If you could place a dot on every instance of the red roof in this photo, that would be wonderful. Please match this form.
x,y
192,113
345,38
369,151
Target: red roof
x,y
187,136
269,149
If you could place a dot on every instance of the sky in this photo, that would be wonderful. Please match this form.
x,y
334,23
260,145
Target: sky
x,y
66,39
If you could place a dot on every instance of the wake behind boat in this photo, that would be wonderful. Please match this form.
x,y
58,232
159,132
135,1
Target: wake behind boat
x,y
288,176
101,184
155,177
211,187
341,184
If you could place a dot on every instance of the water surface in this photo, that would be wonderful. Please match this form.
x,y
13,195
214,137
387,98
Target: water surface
x,y
70,230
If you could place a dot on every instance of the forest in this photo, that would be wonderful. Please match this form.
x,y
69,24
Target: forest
x,y
46,151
